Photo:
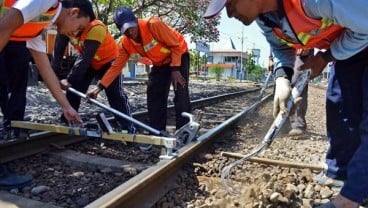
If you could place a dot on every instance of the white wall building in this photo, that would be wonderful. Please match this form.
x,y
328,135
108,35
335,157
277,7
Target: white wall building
x,y
224,54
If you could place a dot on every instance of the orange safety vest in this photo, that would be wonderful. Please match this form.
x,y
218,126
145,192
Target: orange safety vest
x,y
157,52
30,29
106,52
311,33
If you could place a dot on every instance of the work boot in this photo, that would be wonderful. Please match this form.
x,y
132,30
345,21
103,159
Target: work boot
x,y
296,132
9,134
10,180
324,180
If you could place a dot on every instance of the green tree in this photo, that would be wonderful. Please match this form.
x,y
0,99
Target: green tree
x,y
254,70
197,60
185,16
218,71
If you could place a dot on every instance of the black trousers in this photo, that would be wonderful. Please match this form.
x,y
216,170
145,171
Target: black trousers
x,y
115,95
14,66
158,88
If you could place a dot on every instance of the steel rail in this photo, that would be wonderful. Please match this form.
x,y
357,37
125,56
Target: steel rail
x,y
145,189
42,141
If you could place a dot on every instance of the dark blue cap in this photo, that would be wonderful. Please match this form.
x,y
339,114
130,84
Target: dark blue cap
x,y
124,18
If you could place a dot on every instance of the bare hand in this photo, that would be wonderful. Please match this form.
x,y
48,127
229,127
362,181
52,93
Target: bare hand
x,y
177,78
93,93
65,84
72,116
316,64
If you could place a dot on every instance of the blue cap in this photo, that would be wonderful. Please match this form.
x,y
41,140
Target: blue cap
x,y
124,18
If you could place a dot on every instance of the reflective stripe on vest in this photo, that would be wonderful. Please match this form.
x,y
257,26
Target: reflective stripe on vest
x,y
106,52
311,33
32,28
156,51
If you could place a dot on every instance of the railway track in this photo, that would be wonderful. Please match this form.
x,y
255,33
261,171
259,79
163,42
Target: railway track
x,y
108,173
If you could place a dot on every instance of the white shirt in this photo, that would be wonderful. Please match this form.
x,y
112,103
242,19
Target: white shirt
x,y
31,9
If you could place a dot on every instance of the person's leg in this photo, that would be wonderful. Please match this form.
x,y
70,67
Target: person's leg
x,y
356,185
158,87
347,156
297,118
119,101
182,99
17,59
3,83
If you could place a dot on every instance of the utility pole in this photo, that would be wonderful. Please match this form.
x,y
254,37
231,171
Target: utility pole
x,y
241,56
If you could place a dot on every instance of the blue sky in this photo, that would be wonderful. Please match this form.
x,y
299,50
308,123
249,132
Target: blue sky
x,y
253,38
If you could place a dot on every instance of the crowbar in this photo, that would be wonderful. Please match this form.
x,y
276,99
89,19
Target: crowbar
x,y
265,84
279,121
118,113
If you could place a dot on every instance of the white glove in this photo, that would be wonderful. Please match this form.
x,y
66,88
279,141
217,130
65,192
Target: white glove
x,y
282,93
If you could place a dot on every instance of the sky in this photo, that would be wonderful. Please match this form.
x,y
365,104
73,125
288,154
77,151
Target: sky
x,y
253,38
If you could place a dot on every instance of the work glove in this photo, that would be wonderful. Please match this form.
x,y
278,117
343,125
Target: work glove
x,y
282,93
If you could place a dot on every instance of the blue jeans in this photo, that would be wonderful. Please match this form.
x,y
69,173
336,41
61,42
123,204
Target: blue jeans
x,y
347,125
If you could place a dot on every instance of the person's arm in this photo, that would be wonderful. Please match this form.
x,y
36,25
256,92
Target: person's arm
x,y
21,13
94,38
115,69
83,61
164,34
8,24
283,55
61,42
111,74
355,35
52,83
284,59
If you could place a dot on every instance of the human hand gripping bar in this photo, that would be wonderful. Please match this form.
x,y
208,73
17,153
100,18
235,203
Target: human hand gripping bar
x,y
279,121
118,113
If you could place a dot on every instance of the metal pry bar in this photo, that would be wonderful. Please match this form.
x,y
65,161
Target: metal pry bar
x,y
271,133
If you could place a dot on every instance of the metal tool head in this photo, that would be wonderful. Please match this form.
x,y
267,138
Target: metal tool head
x,y
189,131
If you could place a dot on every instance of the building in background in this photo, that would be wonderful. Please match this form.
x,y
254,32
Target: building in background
x,y
226,55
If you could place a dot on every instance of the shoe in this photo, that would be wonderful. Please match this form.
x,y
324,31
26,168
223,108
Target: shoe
x,y
296,132
324,180
9,134
10,180
145,147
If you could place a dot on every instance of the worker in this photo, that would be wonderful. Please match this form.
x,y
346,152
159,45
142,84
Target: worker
x,y
167,50
96,49
323,24
24,20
